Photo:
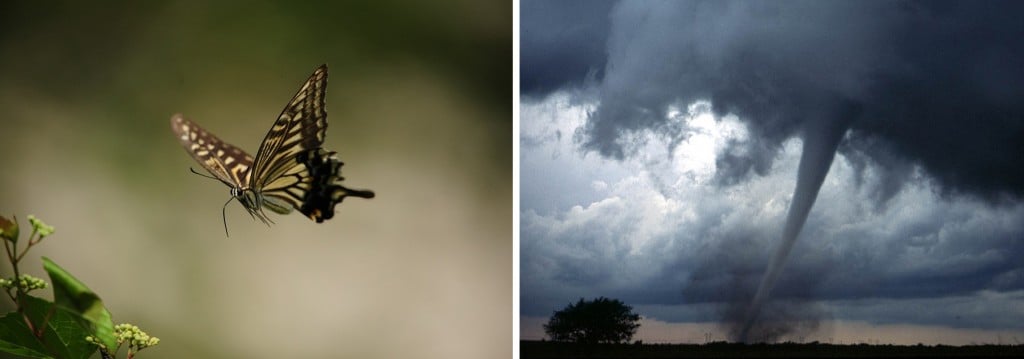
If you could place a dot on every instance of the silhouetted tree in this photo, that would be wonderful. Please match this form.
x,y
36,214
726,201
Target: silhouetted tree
x,y
602,320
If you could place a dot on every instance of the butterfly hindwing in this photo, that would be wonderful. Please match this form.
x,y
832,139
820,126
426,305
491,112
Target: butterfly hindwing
x,y
311,185
226,162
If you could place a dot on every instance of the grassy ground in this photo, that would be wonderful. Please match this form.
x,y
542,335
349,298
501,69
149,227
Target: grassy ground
x,y
544,349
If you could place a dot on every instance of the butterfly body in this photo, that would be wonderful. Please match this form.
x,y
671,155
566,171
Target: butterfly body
x,y
290,172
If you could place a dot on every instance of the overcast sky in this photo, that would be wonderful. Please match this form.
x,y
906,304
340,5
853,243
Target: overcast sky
x,y
661,141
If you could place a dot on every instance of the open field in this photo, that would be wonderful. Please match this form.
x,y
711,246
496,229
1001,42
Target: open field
x,y
545,349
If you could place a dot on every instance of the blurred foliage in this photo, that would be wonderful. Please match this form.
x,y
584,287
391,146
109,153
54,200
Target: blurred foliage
x,y
69,49
128,61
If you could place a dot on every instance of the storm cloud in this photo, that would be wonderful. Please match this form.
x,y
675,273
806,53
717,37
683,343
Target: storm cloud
x,y
556,53
934,84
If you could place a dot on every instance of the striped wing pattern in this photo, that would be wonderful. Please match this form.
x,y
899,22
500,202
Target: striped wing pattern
x,y
301,126
226,162
290,171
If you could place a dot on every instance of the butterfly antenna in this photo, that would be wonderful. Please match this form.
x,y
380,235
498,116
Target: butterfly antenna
x,y
224,215
208,176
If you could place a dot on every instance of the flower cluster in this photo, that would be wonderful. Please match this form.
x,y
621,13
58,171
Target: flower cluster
x,y
42,228
25,282
96,341
136,338
127,333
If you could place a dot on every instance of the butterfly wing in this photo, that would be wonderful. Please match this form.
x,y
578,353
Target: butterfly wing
x,y
310,185
292,171
300,127
228,163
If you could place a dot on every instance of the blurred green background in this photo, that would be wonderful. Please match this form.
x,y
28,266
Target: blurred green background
x,y
419,110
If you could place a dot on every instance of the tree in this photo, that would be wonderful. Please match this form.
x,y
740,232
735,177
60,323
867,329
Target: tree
x,y
602,320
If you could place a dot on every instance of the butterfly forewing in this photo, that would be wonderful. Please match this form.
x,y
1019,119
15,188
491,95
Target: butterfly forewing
x,y
226,162
301,126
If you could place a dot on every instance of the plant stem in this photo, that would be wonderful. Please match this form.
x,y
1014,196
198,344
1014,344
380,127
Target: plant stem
x,y
30,244
15,258
12,254
46,319
7,247
12,249
10,257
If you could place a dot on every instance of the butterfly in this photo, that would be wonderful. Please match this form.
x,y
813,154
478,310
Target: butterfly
x,y
290,171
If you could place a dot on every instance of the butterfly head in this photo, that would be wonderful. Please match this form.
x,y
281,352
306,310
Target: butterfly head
x,y
244,195
250,199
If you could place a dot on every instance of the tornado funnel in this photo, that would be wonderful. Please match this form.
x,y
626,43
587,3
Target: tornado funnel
x,y
821,138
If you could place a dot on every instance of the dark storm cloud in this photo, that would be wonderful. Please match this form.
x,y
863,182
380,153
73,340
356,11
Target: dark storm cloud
x,y
561,43
934,84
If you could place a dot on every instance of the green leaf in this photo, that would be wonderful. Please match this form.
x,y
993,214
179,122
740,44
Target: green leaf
x,y
11,348
73,295
9,229
64,332
17,339
63,335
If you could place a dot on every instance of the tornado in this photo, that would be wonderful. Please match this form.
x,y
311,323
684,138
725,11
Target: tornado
x,y
820,141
